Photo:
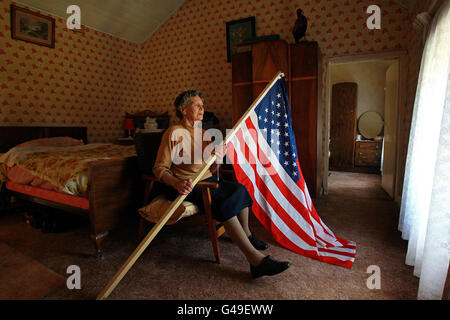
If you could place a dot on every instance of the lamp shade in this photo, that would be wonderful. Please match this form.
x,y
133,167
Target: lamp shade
x,y
129,124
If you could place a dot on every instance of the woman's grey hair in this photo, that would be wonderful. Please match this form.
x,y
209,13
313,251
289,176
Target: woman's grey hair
x,y
183,100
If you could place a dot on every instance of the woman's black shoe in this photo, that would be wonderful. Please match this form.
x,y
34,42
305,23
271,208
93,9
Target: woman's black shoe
x,y
258,244
269,267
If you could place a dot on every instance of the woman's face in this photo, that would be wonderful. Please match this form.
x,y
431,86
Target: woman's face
x,y
193,111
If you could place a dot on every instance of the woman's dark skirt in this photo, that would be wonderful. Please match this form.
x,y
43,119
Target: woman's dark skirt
x,y
227,200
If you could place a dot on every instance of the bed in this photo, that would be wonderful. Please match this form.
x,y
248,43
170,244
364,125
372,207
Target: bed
x,y
112,188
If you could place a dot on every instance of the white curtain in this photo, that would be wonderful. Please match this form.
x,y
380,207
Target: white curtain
x,y
425,208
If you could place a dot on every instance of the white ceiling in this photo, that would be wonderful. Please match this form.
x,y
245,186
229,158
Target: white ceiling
x,y
132,20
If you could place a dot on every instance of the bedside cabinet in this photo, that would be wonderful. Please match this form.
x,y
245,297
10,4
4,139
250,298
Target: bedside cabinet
x,y
124,141
368,153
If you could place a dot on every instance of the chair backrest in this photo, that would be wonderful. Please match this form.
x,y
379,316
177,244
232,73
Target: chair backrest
x,y
147,145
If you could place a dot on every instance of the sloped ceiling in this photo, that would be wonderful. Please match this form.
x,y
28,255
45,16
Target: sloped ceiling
x,y
132,20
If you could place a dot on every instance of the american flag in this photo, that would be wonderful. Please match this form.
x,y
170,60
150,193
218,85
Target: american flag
x,y
265,159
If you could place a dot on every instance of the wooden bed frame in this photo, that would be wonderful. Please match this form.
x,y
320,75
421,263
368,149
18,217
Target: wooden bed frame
x,y
114,185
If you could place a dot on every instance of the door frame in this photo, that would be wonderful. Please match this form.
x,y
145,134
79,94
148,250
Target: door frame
x,y
401,56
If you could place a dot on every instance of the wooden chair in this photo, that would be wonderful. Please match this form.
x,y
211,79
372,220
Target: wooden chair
x,y
146,148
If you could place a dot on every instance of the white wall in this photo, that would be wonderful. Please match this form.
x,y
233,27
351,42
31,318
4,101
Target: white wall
x,y
371,80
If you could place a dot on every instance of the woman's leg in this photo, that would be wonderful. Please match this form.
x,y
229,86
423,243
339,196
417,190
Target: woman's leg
x,y
237,234
243,219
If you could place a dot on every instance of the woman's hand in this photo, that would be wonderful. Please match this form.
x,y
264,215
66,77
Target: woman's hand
x,y
183,187
220,151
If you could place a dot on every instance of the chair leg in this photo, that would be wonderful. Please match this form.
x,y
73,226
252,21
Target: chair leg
x,y
211,225
142,225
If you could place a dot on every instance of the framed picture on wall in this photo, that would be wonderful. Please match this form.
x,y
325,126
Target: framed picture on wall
x,y
237,32
32,27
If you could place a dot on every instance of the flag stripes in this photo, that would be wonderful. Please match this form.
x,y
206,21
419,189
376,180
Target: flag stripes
x,y
281,203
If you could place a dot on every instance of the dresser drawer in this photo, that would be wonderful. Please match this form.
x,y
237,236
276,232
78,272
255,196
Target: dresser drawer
x,y
369,145
368,153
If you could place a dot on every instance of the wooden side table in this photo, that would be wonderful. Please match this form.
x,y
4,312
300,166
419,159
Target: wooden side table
x,y
124,141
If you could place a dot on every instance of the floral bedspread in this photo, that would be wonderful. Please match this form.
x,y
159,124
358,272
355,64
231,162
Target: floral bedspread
x,y
65,167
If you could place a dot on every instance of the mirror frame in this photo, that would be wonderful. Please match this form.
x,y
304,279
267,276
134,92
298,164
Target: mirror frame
x,y
381,126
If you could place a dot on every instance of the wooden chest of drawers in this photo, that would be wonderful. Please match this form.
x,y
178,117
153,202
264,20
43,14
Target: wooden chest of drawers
x,y
368,153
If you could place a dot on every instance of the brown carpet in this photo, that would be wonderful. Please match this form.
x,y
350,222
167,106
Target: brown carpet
x,y
22,278
179,263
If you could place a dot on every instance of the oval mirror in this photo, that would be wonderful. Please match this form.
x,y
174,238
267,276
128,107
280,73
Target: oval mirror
x,y
370,124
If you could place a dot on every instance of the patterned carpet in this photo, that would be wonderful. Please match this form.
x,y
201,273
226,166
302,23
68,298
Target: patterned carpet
x,y
179,263
22,278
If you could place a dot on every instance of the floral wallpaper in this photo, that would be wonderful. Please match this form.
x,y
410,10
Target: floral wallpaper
x,y
189,50
93,79
86,80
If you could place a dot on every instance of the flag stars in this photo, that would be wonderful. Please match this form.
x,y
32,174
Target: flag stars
x,y
277,134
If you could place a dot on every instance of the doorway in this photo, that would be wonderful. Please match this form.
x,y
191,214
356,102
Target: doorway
x,y
368,89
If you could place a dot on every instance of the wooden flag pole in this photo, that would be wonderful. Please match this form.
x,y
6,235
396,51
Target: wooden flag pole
x,y
253,106
173,207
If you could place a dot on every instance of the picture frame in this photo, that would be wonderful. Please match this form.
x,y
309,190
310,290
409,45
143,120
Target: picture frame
x,y
32,27
237,32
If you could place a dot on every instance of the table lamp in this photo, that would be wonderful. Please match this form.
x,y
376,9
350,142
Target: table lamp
x,y
129,125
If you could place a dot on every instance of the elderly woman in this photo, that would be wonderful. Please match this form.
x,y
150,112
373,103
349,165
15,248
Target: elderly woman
x,y
230,201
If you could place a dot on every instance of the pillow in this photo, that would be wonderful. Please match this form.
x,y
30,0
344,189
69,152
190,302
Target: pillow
x,y
44,142
51,142
155,210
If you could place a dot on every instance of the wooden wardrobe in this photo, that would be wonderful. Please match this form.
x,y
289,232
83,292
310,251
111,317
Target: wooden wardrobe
x,y
253,70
